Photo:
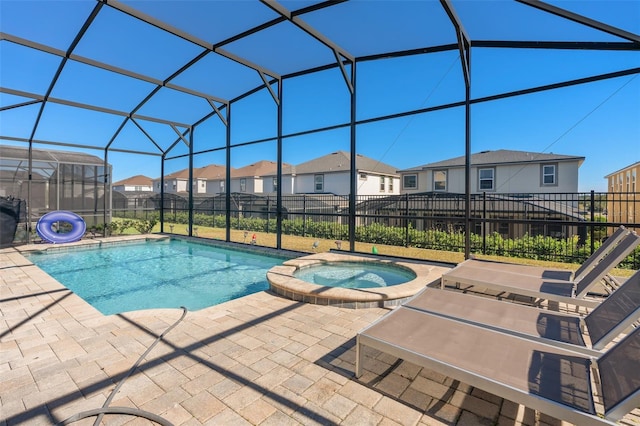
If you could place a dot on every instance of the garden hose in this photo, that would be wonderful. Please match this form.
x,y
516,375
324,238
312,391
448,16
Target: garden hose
x,y
105,409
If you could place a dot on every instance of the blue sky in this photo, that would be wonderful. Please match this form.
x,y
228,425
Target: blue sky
x,y
599,120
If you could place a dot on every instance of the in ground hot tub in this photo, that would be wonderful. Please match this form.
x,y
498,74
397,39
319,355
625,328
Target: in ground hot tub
x,y
352,281
350,274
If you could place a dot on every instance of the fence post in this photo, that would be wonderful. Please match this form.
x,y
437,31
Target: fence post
x,y
304,215
406,215
484,222
268,213
593,218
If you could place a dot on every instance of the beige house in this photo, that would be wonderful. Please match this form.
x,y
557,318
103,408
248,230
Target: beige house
x,y
261,178
623,199
138,183
206,180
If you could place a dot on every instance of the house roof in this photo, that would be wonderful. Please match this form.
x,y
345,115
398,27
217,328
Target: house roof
x,y
340,161
636,164
261,168
180,174
212,171
501,156
135,180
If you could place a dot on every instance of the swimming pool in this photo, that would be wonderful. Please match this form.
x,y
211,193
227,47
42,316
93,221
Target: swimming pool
x,y
355,274
157,274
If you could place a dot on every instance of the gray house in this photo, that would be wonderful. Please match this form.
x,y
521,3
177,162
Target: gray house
x,y
501,171
516,185
331,173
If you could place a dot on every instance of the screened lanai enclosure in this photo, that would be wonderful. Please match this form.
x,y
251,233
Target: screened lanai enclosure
x,y
55,180
94,92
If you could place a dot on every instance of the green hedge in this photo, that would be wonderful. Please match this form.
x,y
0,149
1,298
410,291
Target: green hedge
x,y
122,225
527,247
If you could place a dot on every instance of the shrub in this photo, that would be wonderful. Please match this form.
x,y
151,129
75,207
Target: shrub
x,y
111,228
144,226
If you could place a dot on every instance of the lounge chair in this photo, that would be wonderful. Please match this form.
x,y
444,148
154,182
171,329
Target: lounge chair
x,y
543,377
556,274
542,288
614,315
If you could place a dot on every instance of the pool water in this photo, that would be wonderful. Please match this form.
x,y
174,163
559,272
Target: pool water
x,y
355,275
157,274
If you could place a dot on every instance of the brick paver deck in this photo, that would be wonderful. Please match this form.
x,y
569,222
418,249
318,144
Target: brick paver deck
x,y
258,360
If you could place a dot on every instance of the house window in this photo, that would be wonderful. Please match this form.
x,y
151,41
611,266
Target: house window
x,y
202,184
243,185
363,176
174,186
221,186
318,181
382,184
440,180
486,179
158,185
633,181
275,184
629,181
410,181
390,184
549,175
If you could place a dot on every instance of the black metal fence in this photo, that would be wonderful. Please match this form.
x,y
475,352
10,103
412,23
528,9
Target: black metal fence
x,y
564,227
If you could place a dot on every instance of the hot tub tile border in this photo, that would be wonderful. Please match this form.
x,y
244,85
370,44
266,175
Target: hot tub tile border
x,y
282,282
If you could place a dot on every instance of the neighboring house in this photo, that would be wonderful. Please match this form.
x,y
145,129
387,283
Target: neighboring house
x,y
623,199
512,182
174,182
214,176
261,178
270,180
330,174
501,171
206,180
324,175
138,183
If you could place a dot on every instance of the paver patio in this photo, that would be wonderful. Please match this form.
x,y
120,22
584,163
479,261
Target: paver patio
x,y
258,360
